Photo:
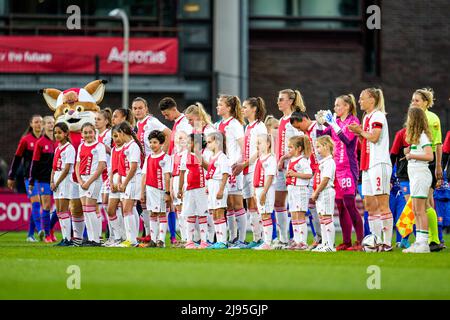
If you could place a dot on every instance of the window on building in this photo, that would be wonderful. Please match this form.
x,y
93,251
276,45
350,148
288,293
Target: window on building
x,y
321,14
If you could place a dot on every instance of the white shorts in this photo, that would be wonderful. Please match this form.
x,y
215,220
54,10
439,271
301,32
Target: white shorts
x,y
213,189
155,199
280,183
195,203
377,180
64,189
325,202
133,189
235,184
106,188
248,189
94,189
175,185
115,195
270,200
298,198
74,190
419,181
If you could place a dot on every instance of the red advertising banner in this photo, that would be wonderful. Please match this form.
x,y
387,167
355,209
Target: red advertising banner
x,y
15,212
39,54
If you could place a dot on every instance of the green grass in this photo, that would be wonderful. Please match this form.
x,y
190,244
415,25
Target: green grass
x,y
38,271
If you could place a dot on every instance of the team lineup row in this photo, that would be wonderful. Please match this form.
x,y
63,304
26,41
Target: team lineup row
x,y
205,171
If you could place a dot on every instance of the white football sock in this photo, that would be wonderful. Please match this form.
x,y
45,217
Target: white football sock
x,y
331,232
375,225
203,226
387,222
162,228
137,221
121,223
303,231
268,230
78,225
190,227
182,226
115,227
296,227
154,228
211,230
282,222
231,222
241,219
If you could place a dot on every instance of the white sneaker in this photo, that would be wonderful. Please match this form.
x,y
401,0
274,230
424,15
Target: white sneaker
x,y
264,246
31,239
280,246
109,243
326,248
411,249
417,248
318,248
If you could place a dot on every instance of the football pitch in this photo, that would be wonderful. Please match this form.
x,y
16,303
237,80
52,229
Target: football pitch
x,y
42,271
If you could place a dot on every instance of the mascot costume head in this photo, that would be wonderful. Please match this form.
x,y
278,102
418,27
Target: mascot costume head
x,y
76,107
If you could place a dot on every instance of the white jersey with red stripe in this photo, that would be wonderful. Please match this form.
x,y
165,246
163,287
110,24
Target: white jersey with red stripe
x,y
64,154
327,169
252,131
299,164
145,126
265,166
105,138
131,153
218,165
285,132
181,125
89,155
176,160
375,153
233,131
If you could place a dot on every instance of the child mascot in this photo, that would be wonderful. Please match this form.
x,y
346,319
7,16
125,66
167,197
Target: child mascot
x,y
76,107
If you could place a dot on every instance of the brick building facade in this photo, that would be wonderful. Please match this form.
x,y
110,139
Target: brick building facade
x,y
414,51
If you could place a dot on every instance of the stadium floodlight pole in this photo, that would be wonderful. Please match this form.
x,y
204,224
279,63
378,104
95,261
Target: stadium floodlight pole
x,y
119,13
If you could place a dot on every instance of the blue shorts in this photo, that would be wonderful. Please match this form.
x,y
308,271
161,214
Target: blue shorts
x,y
35,189
405,187
44,189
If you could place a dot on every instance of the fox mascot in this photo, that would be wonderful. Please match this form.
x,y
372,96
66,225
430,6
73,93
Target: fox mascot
x,y
76,107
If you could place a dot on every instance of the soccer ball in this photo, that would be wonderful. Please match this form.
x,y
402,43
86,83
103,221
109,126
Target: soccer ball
x,y
370,243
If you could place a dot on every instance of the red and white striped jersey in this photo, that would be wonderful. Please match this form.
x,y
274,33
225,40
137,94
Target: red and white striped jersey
x,y
64,154
300,165
195,173
130,153
181,124
116,155
176,161
285,132
375,153
265,166
233,131
155,166
252,131
105,138
145,126
89,156
218,166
